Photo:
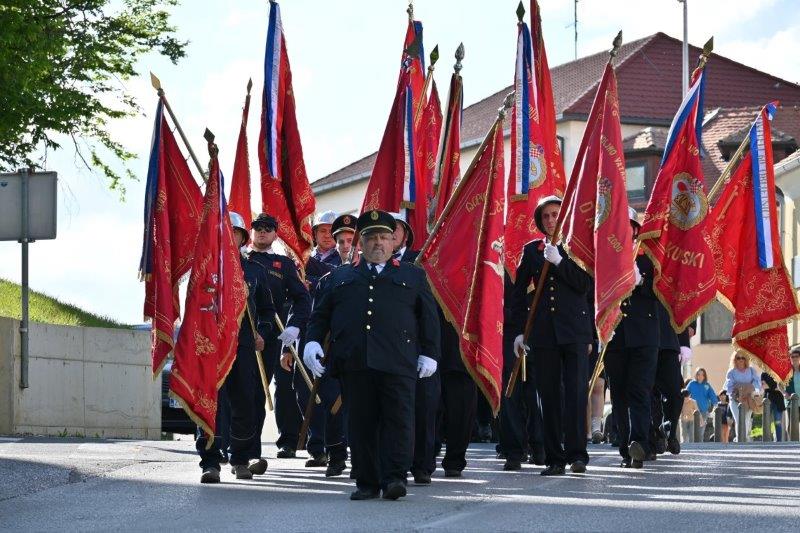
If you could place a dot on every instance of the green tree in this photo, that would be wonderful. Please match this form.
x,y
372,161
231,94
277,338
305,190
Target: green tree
x,y
62,68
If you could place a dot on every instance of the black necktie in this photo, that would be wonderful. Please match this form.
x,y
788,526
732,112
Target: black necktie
x,y
374,269
397,255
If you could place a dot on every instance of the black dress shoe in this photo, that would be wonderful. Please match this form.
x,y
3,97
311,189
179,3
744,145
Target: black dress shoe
x,y
673,446
210,475
287,453
421,477
553,470
452,473
317,460
394,490
364,494
661,445
258,467
578,467
636,451
636,463
512,464
626,463
335,468
537,458
502,455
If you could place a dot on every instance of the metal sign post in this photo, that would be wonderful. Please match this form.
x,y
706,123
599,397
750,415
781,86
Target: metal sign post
x,y
28,208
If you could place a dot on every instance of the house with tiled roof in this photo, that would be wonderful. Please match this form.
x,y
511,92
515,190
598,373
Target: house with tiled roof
x,y
649,80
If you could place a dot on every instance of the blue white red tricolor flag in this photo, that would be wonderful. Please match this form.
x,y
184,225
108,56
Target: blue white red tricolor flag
x,y
764,188
285,191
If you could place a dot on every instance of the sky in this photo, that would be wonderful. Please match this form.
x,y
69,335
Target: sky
x,y
345,58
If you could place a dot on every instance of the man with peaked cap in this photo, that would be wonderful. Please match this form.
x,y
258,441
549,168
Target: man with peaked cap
x,y
559,344
428,389
292,302
343,230
380,318
243,381
631,360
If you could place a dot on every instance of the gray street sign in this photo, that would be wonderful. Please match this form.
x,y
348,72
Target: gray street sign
x,y
42,205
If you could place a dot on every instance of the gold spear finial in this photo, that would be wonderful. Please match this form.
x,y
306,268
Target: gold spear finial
x,y
434,57
249,85
508,103
410,10
520,12
156,84
212,147
707,49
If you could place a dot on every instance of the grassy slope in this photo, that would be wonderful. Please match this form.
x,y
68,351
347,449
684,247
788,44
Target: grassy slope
x,y
48,310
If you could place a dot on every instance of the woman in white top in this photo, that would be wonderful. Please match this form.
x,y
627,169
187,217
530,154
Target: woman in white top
x,y
741,382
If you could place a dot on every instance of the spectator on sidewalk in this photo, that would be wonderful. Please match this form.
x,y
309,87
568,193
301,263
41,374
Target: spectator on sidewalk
x,y
687,416
723,405
742,382
793,383
776,403
703,394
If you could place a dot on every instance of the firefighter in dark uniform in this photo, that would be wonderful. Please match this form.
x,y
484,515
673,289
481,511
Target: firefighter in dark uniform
x,y
243,381
560,341
384,333
631,360
327,444
292,301
667,391
426,407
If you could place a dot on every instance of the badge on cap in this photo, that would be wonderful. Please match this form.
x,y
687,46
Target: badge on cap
x,y
374,215
347,220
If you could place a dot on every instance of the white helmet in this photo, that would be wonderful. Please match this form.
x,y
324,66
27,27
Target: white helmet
x,y
634,217
326,217
238,223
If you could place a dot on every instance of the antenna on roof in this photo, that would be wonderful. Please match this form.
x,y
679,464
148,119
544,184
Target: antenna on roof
x,y
575,27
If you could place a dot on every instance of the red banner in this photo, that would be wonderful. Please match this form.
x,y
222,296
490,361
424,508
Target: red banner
x,y
285,191
171,226
239,200
595,222
675,227
536,167
464,265
448,165
215,303
430,130
745,232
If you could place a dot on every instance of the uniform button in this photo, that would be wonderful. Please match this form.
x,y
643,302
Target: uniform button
x,y
551,278
552,298
369,312
370,287
649,315
552,309
370,299
368,327
552,288
624,315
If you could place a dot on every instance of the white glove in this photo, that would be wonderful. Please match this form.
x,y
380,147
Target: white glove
x,y
552,254
637,274
519,345
311,357
289,335
685,355
426,366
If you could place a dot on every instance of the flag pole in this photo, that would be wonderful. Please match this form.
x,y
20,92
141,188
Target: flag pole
x,y
507,103
434,57
160,91
445,140
537,295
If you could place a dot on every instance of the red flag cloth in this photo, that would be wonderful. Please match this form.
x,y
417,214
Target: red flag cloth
x,y
596,226
752,280
675,227
215,303
427,150
536,167
465,269
239,200
448,162
285,191
172,217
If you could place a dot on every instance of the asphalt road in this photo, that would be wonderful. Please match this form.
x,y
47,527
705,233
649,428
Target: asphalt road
x,y
97,485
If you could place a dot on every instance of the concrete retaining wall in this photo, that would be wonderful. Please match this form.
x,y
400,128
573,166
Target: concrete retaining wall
x,y
83,381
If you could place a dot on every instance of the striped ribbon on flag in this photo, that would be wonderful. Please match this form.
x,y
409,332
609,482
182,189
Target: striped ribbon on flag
x,y
764,206
522,95
272,78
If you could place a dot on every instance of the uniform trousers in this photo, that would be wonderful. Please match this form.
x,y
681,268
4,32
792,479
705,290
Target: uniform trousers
x,y
380,425
668,382
237,392
520,415
563,370
631,374
426,410
459,399
287,413
326,430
